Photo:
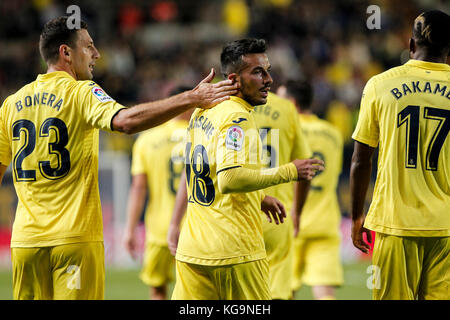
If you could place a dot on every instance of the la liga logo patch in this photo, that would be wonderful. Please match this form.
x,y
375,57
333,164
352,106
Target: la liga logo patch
x,y
235,138
101,95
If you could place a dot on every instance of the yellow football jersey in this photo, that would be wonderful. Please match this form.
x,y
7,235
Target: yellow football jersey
x,y
49,134
283,141
321,214
221,229
159,154
405,111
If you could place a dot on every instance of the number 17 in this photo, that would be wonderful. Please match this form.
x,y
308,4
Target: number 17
x,y
411,116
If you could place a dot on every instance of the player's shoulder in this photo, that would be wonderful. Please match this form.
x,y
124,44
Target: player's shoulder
x,y
319,124
390,74
227,110
280,102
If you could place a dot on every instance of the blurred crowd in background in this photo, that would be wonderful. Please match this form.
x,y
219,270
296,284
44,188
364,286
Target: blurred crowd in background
x,y
149,47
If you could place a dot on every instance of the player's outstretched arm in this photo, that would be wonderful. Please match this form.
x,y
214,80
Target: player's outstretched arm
x,y
273,209
360,171
177,215
147,115
136,202
242,179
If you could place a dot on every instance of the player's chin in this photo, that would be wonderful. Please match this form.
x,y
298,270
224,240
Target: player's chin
x,y
261,101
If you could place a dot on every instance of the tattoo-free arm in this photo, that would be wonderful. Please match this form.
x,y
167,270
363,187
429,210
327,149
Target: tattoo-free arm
x,y
360,171
150,114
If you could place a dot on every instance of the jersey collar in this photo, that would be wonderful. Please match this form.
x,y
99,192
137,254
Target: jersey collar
x,y
428,65
308,116
247,105
54,74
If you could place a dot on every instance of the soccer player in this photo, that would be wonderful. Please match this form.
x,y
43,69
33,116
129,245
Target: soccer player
x,y
405,112
221,253
157,164
49,134
283,141
317,246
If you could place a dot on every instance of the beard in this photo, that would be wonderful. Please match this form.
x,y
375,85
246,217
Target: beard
x,y
251,94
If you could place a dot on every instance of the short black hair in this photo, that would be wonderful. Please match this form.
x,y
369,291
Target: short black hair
x,y
231,56
431,30
301,91
54,34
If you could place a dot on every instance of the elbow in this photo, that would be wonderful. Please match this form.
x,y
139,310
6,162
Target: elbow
x,y
224,187
122,123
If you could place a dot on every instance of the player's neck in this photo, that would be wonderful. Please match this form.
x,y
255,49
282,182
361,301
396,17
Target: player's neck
x,y
59,67
422,55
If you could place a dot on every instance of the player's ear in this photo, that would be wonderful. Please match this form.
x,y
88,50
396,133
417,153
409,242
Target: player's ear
x,y
234,77
65,53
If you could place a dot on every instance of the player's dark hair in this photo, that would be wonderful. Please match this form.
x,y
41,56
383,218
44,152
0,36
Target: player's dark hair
x,y
232,53
54,34
301,91
431,30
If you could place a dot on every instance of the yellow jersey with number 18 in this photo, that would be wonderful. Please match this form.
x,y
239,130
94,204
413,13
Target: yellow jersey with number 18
x,y
405,111
221,229
159,154
49,134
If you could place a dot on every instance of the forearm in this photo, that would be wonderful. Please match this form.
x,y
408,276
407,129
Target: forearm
x,y
2,172
136,202
360,172
180,203
147,115
301,193
242,179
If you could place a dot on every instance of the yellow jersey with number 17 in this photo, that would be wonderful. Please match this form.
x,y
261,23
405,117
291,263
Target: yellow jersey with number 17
x,y
221,229
405,111
49,134
159,154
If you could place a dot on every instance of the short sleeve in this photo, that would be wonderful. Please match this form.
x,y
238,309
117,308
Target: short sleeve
x,y
97,107
301,148
5,146
238,142
138,157
367,129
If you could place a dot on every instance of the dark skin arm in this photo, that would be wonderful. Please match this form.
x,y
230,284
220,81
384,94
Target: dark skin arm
x,y
179,211
360,171
301,193
2,171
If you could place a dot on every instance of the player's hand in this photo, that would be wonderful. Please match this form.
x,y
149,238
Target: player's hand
x,y
172,238
273,209
307,168
357,235
295,221
207,95
130,243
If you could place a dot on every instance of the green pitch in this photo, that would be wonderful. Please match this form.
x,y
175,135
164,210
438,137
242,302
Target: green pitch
x,y
125,285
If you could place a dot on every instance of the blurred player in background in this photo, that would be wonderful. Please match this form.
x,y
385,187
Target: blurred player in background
x,y
157,164
221,253
406,112
49,133
317,246
283,141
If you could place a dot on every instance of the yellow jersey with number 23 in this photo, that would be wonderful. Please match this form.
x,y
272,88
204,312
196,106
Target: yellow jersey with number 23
x,y
49,134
